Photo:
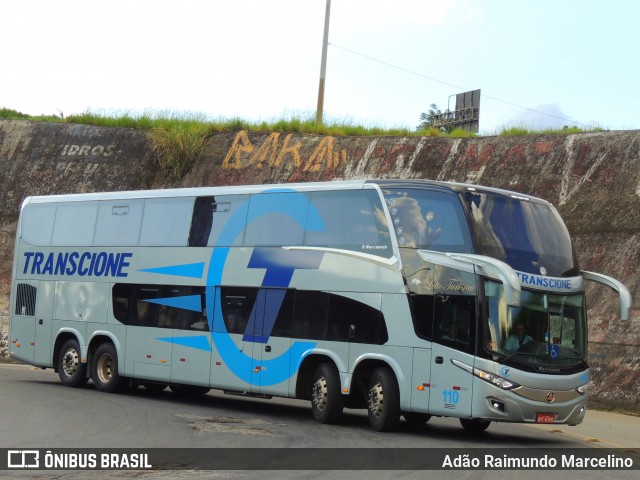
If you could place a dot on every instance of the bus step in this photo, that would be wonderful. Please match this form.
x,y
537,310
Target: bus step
x,y
248,394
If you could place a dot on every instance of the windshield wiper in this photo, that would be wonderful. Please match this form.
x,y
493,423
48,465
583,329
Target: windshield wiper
x,y
528,354
580,359
506,358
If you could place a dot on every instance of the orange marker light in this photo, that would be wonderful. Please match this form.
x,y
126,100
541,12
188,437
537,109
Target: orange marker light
x,y
420,387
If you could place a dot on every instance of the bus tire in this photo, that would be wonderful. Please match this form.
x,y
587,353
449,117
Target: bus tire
x,y
474,425
383,400
71,370
415,418
327,401
104,370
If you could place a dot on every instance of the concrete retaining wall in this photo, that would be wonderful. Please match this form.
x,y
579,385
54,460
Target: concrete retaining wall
x,y
593,179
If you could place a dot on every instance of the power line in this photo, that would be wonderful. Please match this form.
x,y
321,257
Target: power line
x,y
418,74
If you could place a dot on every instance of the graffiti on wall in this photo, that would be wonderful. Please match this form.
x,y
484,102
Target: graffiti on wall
x,y
273,152
83,158
86,150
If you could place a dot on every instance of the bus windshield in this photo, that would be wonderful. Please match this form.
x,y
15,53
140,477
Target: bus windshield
x,y
547,329
527,235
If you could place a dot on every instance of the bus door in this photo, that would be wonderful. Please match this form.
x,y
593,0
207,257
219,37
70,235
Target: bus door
x,y
43,323
271,337
252,339
23,321
452,284
454,327
191,358
148,346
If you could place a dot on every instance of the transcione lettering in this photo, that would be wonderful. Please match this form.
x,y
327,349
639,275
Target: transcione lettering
x,y
91,264
544,282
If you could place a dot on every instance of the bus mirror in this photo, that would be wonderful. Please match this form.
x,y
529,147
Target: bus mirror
x,y
625,296
492,267
487,265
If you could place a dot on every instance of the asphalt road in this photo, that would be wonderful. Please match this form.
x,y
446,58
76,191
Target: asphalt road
x,y
38,412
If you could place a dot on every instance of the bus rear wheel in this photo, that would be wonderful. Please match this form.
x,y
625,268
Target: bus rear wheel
x,y
383,400
71,370
104,371
327,401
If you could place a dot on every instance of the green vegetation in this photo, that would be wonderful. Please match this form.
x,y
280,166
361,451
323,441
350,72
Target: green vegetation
x,y
178,139
566,130
177,147
8,114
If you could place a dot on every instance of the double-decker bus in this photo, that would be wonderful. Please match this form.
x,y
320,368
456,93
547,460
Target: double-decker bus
x,y
408,298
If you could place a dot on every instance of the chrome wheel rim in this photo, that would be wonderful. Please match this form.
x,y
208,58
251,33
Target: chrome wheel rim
x,y
105,368
70,362
376,400
320,393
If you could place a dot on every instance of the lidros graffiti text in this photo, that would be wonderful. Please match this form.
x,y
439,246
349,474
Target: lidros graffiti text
x,y
88,150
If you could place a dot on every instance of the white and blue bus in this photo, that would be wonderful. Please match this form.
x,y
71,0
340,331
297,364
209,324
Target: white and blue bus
x,y
409,298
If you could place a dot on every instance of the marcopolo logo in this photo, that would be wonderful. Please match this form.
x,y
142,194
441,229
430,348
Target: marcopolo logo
x,y
96,264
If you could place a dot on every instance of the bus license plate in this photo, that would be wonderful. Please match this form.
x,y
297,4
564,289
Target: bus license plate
x,y
545,418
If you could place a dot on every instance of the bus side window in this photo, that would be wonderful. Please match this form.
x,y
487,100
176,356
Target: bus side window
x,y
146,313
201,221
276,219
237,305
354,321
26,299
283,324
455,316
422,314
310,317
150,306
210,217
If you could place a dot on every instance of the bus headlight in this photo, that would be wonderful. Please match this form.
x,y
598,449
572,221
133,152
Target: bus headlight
x,y
486,376
495,379
582,389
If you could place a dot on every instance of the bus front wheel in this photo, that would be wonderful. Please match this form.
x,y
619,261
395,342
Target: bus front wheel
x,y
104,371
71,370
327,401
383,400
416,418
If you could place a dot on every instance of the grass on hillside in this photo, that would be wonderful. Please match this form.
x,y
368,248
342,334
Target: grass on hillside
x,y
177,139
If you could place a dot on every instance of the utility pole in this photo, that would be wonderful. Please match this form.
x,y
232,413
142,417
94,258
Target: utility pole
x,y
323,65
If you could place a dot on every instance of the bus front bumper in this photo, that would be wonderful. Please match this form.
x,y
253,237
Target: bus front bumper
x,y
526,405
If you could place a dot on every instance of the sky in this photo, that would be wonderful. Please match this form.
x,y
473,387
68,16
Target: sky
x,y
539,64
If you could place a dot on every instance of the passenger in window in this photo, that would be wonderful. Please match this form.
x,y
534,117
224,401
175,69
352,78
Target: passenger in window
x,y
518,338
145,314
163,317
200,324
234,321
